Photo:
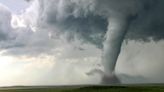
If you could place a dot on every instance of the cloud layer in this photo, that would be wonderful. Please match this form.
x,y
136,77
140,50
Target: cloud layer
x,y
89,19
83,20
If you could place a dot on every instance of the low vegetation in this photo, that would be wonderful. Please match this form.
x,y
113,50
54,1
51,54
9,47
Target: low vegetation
x,y
87,89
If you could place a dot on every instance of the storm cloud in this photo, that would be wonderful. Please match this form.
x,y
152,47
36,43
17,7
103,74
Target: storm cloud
x,y
89,19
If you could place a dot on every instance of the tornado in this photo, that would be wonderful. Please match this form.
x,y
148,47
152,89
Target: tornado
x,y
117,29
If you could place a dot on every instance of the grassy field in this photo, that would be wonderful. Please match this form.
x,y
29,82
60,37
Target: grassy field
x,y
155,88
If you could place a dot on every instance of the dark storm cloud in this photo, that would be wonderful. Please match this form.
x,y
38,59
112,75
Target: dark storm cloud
x,y
149,24
90,29
74,20
88,19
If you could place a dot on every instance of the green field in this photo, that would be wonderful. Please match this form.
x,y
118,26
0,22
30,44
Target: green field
x,y
156,88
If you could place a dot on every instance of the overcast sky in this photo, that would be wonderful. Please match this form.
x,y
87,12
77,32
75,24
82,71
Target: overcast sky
x,y
59,42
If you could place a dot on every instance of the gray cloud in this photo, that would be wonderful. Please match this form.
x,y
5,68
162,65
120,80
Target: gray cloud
x,y
22,40
5,28
89,19
149,23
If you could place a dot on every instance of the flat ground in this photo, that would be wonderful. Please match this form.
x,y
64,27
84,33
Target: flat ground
x,y
125,88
